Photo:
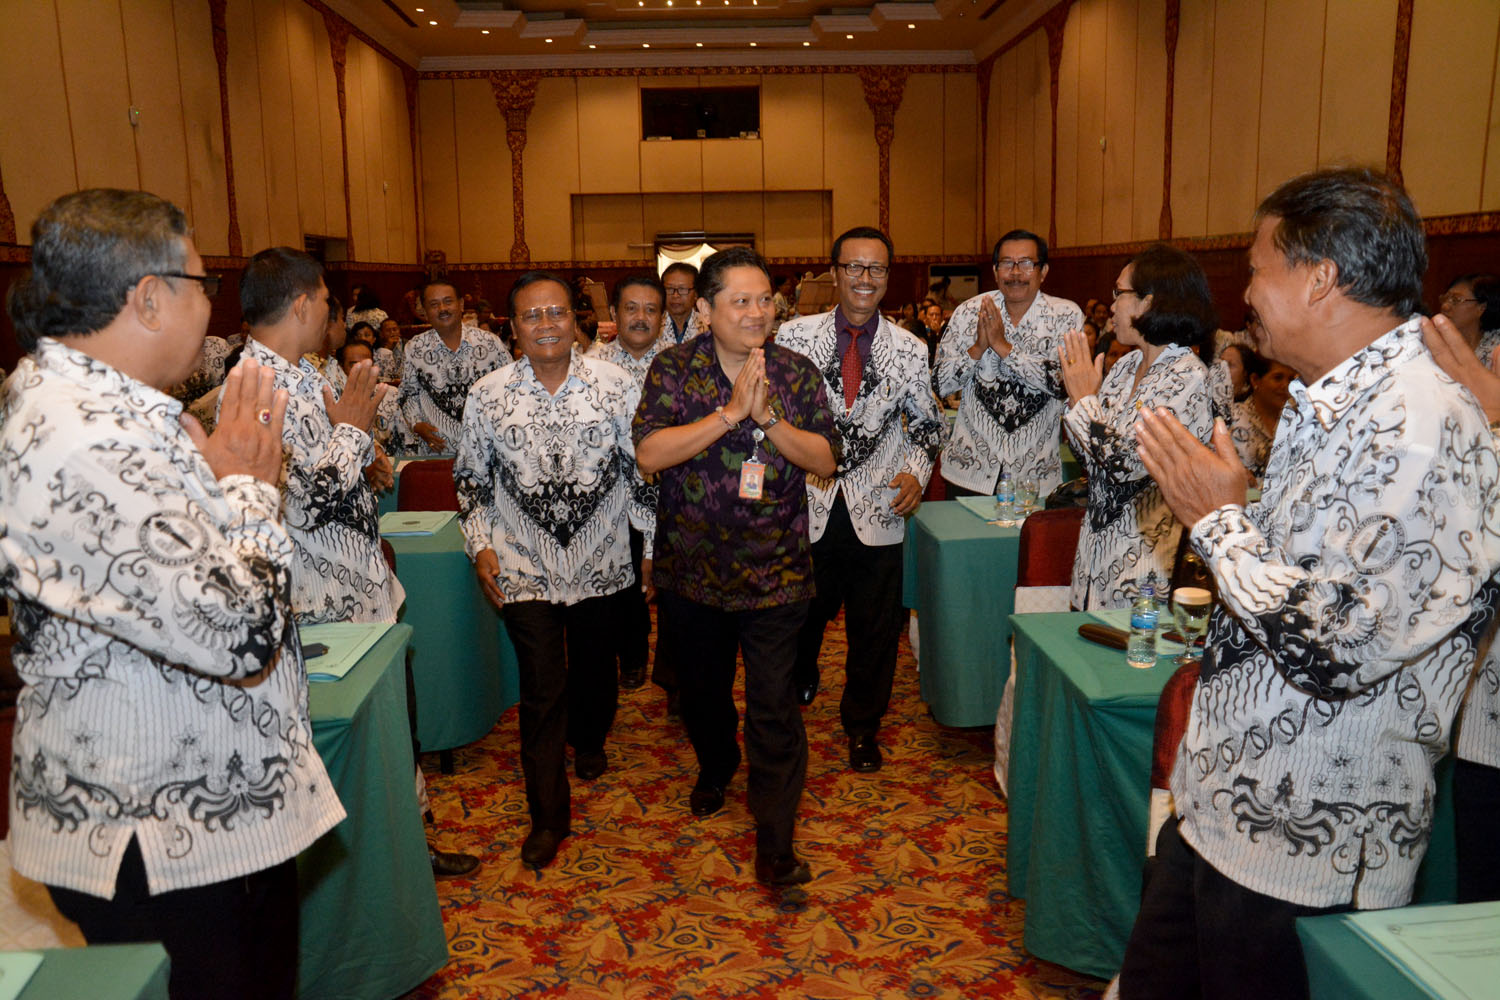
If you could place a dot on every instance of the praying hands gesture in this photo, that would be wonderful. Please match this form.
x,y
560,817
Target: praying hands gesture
x,y
1082,374
1454,356
362,395
247,439
989,331
748,397
1195,480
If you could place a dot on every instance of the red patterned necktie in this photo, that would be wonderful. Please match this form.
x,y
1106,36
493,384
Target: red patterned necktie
x,y
852,369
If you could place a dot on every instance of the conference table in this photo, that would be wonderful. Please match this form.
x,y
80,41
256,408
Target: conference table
x,y
1342,965
959,575
99,972
1078,783
464,666
370,924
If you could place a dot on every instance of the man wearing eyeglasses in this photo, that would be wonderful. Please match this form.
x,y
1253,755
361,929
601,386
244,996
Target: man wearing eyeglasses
x,y
877,380
682,319
544,472
166,777
1000,352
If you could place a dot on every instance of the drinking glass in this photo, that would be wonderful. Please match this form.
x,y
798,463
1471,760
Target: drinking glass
x,y
1026,498
1190,608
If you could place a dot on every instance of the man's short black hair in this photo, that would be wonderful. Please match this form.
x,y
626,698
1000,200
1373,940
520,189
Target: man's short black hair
x,y
536,278
1182,307
642,279
680,267
271,282
711,277
1360,220
861,233
88,249
1020,234
422,295
342,353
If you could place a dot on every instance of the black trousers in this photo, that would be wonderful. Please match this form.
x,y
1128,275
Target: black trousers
x,y
230,940
569,690
1199,934
866,580
633,647
1476,817
955,491
705,640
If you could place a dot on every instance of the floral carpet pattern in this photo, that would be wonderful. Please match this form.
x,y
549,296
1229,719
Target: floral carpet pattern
x,y
645,900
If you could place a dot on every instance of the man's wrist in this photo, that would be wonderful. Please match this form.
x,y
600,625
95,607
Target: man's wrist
x,y
772,419
731,424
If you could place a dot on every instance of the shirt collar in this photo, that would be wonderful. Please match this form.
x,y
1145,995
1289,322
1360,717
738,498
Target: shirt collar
x,y
525,376
841,322
1344,385
96,376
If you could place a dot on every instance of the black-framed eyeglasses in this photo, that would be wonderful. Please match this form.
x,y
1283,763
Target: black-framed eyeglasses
x,y
854,269
1454,300
210,282
1117,291
1025,265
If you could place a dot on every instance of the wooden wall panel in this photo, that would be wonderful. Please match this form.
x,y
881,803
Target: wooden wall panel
x,y
373,153
441,199
1094,45
733,164
960,164
851,160
791,124
276,124
551,171
1192,104
609,134
611,222
198,73
1119,122
917,158
304,126
671,166
98,92
1012,140
396,154
1150,95
1356,102
160,143
485,219
1292,70
1489,198
1036,77
735,212
330,135
1234,123
34,115
358,125
797,224
1446,99
243,72
671,213
1068,166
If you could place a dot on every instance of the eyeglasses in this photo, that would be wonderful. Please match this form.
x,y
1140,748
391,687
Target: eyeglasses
x,y
210,282
1453,300
554,313
1023,266
854,269
679,289
1117,291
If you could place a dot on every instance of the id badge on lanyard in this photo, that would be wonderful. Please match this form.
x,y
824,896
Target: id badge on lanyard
x,y
753,471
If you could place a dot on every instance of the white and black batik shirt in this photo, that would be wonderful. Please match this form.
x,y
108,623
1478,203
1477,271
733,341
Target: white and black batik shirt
x,y
1129,531
435,381
646,491
330,511
165,697
1008,414
1354,596
545,480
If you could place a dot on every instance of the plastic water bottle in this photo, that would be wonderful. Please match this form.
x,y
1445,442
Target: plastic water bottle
x,y
1140,651
1005,499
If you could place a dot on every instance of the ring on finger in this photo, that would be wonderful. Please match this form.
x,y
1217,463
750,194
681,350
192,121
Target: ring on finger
x,y
264,415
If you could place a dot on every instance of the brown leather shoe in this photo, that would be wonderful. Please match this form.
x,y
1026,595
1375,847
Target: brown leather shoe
x,y
450,864
785,870
540,846
864,753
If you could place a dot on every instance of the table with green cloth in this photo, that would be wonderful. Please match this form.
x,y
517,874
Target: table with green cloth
x,y
1342,965
100,972
370,924
464,666
1079,788
959,575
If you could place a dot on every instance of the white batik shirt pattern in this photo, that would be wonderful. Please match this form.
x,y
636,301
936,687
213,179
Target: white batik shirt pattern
x,y
435,381
646,492
1251,441
1008,414
1479,720
164,692
339,574
1129,532
672,336
1354,596
895,425
545,480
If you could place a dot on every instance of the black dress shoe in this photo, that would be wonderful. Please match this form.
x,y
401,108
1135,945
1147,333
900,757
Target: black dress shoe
x,y
632,678
785,870
540,846
707,798
589,766
447,864
864,754
807,689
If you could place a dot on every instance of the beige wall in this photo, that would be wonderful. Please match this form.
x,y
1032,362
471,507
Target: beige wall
x,y
593,188
1264,89
65,119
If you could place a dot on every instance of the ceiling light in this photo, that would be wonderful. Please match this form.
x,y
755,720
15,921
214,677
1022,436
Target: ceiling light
x,y
549,41
484,31
911,25
850,37
699,44
421,10
645,45
433,23
669,3
592,45
752,45
806,44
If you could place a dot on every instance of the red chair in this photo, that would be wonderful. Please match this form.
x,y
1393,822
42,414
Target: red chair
x,y
1049,540
427,484
1172,710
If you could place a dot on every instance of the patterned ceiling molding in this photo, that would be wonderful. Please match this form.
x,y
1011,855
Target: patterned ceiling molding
x,y
15,255
1192,244
1174,18
1054,22
1396,127
221,57
815,264
338,48
485,74
1470,224
350,28
515,96
7,217
884,87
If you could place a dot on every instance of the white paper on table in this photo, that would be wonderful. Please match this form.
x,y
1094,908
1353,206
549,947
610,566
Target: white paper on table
x,y
1451,952
16,970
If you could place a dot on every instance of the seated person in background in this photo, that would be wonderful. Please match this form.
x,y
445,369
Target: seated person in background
x,y
207,374
165,774
392,436
681,324
1232,357
1253,420
366,308
323,358
205,409
390,349
1162,307
1472,304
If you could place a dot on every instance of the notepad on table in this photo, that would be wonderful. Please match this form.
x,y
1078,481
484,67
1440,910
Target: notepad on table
x,y
346,642
16,970
400,523
1450,952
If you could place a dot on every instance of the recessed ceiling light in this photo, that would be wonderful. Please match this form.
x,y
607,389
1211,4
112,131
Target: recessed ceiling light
x,y
421,10
850,37
592,45
549,41
432,22
806,44
752,45
484,31
911,25
669,3
698,44
645,45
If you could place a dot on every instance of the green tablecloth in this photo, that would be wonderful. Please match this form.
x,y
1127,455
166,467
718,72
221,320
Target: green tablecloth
x,y
1342,965
101,972
1080,770
464,665
370,924
960,577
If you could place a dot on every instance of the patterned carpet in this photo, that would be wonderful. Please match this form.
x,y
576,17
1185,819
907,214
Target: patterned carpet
x,y
644,900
